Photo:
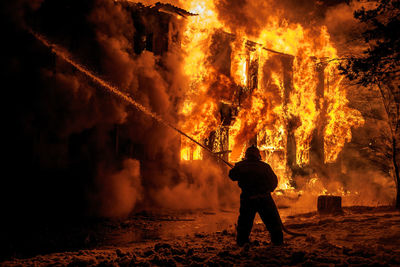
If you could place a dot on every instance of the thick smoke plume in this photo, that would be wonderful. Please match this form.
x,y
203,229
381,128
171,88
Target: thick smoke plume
x,y
70,126
118,193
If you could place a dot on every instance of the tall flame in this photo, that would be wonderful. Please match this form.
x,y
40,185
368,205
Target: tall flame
x,y
270,105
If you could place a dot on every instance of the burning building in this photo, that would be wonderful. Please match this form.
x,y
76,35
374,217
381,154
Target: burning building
x,y
235,76
105,92
279,90
227,88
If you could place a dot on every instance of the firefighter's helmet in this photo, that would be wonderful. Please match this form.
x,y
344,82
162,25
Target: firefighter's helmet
x,y
252,153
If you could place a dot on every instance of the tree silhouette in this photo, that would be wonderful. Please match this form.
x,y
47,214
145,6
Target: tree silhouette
x,y
378,66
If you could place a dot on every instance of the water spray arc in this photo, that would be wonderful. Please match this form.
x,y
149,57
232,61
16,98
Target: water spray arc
x,y
59,52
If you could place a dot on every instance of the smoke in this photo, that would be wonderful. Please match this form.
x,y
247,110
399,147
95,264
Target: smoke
x,y
201,187
357,188
247,16
371,188
88,152
251,17
344,28
165,183
156,88
115,195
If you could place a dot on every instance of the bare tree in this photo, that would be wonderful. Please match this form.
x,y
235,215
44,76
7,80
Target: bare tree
x,y
379,65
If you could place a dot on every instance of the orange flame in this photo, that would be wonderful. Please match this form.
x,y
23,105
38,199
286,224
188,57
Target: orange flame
x,y
270,106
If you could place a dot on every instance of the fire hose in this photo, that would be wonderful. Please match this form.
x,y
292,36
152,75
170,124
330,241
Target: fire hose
x,y
64,55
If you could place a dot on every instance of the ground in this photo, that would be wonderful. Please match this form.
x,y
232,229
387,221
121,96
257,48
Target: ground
x,y
360,236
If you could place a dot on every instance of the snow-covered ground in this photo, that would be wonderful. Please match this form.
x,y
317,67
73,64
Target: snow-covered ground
x,y
361,236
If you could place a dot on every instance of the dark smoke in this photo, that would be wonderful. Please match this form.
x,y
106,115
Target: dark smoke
x,y
65,159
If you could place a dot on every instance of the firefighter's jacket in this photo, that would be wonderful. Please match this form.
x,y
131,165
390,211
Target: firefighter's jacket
x,y
254,177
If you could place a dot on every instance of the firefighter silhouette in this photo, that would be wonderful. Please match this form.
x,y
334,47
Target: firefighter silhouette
x,y
257,180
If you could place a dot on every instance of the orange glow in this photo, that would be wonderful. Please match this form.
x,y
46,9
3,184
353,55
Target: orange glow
x,y
269,107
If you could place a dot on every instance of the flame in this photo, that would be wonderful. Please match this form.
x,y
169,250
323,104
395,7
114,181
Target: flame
x,y
239,62
341,118
269,105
